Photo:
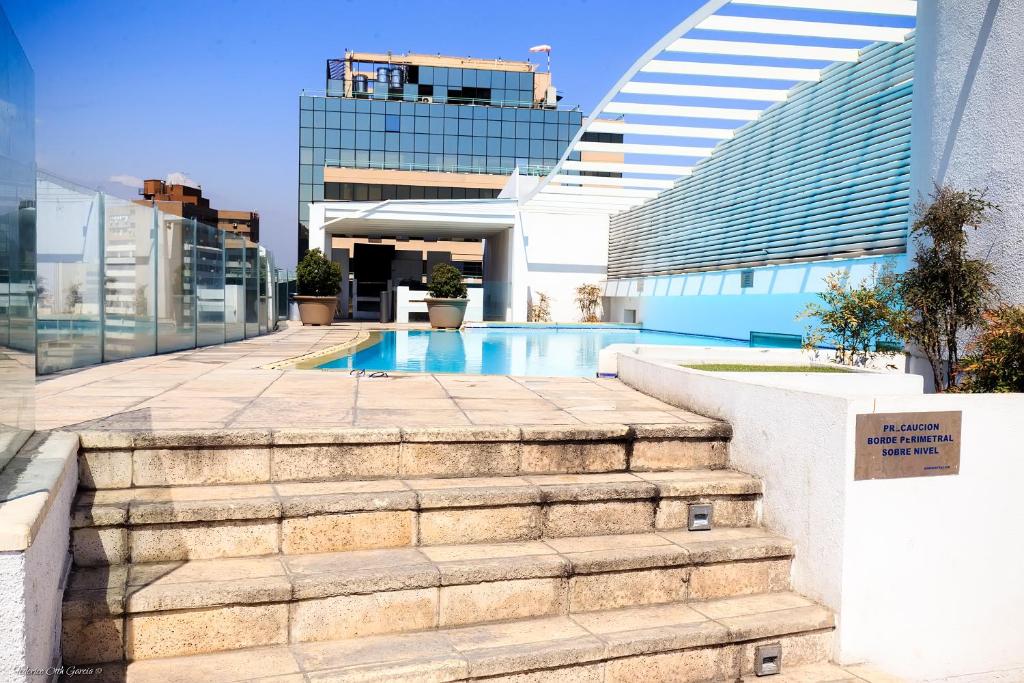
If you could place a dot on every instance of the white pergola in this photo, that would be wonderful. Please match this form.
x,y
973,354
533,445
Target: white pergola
x,y
753,52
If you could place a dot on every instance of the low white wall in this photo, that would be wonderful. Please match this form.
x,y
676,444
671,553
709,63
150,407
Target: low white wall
x,y
608,358
409,301
35,512
933,575
923,587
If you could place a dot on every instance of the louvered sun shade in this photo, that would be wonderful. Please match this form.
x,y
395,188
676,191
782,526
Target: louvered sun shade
x,y
824,174
714,73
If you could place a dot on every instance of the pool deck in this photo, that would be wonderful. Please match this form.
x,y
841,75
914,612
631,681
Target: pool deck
x,y
230,386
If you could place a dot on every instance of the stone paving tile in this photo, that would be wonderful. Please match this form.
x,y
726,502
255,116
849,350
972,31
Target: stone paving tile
x,y
230,386
396,418
494,417
511,404
625,416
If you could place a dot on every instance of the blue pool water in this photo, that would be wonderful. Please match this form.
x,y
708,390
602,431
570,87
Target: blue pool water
x,y
505,350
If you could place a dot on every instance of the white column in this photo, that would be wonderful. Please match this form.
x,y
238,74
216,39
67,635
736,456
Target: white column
x,y
518,269
318,236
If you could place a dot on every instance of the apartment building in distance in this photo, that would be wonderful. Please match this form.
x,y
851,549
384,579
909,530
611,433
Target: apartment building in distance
x,y
189,202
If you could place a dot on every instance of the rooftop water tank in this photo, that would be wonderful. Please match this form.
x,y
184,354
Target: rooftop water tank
x,y
397,76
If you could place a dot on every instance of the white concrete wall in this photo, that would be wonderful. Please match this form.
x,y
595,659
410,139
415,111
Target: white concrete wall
x,y
409,301
31,589
968,119
923,587
560,252
933,574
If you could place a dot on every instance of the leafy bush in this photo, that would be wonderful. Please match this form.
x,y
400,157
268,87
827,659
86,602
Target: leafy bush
x,y
855,319
446,282
539,311
317,275
588,298
946,293
995,360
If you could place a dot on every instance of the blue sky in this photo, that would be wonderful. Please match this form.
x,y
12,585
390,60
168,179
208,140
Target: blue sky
x,y
210,89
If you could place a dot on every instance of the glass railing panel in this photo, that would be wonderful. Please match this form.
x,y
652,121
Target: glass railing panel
x,y
263,265
69,287
17,245
252,290
209,285
129,292
175,273
234,287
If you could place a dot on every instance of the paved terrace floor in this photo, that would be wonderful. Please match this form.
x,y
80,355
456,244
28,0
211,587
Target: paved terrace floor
x,y
229,386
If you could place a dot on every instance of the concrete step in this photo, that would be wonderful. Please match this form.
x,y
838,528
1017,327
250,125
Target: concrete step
x,y
159,524
121,459
145,611
696,641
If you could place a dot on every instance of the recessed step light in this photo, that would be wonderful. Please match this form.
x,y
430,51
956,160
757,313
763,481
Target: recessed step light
x,y
699,518
768,659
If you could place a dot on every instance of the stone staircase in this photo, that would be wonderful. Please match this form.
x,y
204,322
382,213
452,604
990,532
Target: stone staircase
x,y
525,553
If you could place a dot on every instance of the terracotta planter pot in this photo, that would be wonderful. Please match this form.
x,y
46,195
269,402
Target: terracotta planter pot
x,y
316,310
446,313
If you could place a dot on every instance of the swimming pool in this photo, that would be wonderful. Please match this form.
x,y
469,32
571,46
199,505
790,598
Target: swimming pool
x,y
504,350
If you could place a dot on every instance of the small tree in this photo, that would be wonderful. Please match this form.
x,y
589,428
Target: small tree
x,y
446,282
73,297
946,292
539,311
996,358
42,292
855,319
588,298
317,275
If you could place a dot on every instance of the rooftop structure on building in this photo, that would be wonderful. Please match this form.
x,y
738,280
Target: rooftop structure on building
x,y
188,202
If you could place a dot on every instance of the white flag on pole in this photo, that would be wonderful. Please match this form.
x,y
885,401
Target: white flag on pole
x,y
541,48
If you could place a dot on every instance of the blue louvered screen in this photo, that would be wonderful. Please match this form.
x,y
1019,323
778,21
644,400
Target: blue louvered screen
x,y
824,174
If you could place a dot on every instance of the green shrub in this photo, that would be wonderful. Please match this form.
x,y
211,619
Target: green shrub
x,y
316,275
856,320
946,293
446,282
995,360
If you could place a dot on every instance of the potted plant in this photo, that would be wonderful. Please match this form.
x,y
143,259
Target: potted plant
x,y
318,281
447,302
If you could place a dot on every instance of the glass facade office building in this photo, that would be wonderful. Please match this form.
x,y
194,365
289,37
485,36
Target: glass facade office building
x,y
429,119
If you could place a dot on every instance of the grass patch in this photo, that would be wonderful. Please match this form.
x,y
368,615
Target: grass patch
x,y
745,367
